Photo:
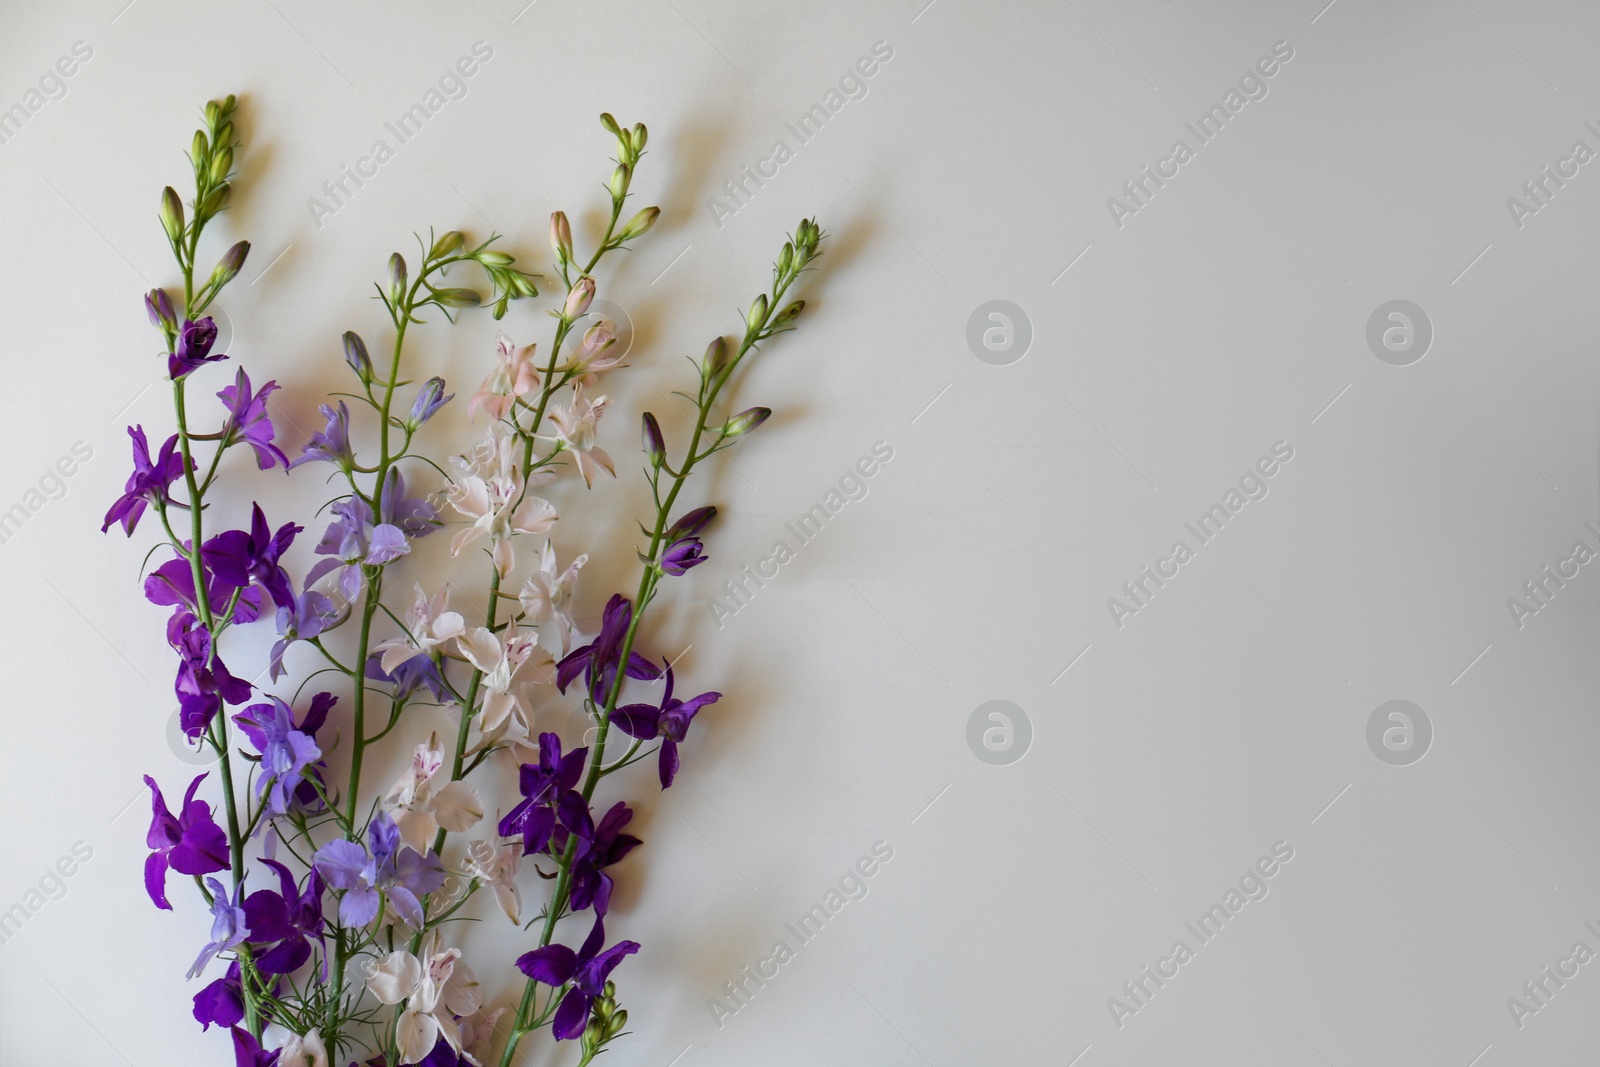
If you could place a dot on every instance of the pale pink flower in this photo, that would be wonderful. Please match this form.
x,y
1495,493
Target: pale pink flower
x,y
428,625
575,424
547,601
514,374
493,495
421,809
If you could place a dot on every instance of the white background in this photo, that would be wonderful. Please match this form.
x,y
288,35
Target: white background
x,y
1227,315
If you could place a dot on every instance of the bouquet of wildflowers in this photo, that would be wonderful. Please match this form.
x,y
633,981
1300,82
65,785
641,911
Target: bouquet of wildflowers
x,y
332,900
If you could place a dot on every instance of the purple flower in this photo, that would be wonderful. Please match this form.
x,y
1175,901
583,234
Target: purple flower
x,y
543,786
430,398
148,483
287,920
221,1002
172,585
599,658
247,1051
682,556
408,677
286,750
398,872
238,558
189,843
194,348
158,305
670,722
352,540
413,515
204,682
309,616
331,444
598,848
249,422
228,925
587,970
690,524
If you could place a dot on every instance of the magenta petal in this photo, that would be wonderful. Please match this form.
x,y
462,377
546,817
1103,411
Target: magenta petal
x,y
155,879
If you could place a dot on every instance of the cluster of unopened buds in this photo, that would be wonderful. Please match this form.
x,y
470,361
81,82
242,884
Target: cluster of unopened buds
x,y
329,900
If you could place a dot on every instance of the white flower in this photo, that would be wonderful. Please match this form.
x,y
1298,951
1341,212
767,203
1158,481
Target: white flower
x,y
434,992
428,625
494,496
420,810
575,424
547,601
500,660
496,867
303,1051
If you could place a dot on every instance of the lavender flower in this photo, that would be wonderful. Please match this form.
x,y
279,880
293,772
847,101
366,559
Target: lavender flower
x,y
172,584
228,926
587,970
148,483
353,540
331,444
204,682
247,1051
190,842
430,398
287,750
310,615
408,677
399,872
221,1002
249,422
670,722
194,348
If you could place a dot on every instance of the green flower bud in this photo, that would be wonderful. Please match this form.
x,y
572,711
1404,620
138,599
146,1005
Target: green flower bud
x,y
609,991
224,135
215,201
639,137
200,149
448,243
758,313
496,259
229,266
785,258
716,357
616,1023
619,181
640,224
458,298
213,113
610,123
397,278
792,312
221,164
745,421
171,214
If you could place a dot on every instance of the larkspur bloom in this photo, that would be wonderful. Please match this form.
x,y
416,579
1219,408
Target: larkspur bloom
x,y
496,866
586,364
148,483
682,556
288,750
477,1036
599,845
422,806
598,659
303,1050
331,444
172,585
190,842
430,398
399,873
283,923
670,722
412,514
221,1002
418,672
546,600
204,683
587,969
576,423
311,615
194,348
229,927
249,422
239,559
247,1051
502,658
494,496
513,376
434,989
353,540
543,786
428,625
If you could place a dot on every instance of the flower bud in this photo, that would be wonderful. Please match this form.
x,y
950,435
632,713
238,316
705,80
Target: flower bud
x,y
447,243
640,224
215,201
745,421
496,259
561,236
578,300
223,135
610,123
758,313
654,445
618,1020
221,164
785,258
159,306
230,264
639,137
610,989
716,357
457,298
619,181
397,278
430,398
690,524
200,149
213,113
355,354
171,214
792,312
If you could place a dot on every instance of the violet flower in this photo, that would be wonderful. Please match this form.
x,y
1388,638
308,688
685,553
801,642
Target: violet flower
x,y
598,660
148,483
238,558
430,398
287,920
413,515
172,585
194,348
543,785
229,928
247,1051
203,683
397,871
682,556
190,842
670,722
353,540
308,616
249,422
408,677
287,750
221,1002
599,846
587,970
331,444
